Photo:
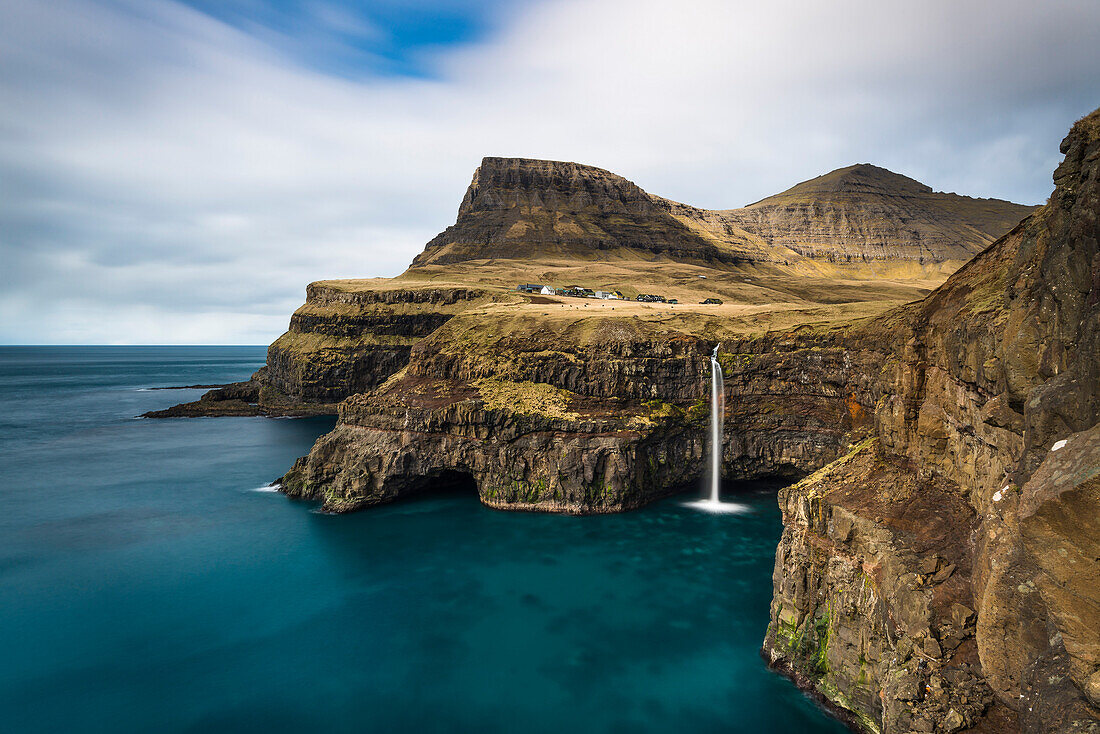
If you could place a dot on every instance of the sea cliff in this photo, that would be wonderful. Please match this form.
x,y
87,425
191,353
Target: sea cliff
x,y
943,575
611,416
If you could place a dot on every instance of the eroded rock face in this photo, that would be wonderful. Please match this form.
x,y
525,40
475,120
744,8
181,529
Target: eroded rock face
x,y
577,463
341,343
987,614
872,600
583,430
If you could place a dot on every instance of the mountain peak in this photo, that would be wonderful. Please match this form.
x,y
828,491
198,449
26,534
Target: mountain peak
x,y
862,178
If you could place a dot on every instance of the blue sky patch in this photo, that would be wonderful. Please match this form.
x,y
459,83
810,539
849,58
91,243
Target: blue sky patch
x,y
361,38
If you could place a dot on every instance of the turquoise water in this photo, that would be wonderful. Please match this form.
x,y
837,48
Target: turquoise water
x,y
144,585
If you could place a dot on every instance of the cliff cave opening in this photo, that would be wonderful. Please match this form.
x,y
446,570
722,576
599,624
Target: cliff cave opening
x,y
447,481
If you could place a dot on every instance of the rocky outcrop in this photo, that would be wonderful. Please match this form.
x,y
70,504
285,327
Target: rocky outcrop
x,y
517,455
234,399
345,342
872,604
943,577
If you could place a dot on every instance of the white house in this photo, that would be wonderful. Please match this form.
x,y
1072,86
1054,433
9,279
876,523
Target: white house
x,y
547,291
608,295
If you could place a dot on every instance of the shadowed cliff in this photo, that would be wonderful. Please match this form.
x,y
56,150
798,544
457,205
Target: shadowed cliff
x,y
945,574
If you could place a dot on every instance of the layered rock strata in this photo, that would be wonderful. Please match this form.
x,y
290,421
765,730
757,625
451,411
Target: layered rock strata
x,y
528,209
344,340
562,218
944,576
518,207
867,213
591,426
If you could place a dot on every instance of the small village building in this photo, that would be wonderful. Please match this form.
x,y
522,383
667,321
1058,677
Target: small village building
x,y
530,288
608,295
547,291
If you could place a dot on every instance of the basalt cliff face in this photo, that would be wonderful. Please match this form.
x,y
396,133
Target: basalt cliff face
x,y
945,574
600,415
345,340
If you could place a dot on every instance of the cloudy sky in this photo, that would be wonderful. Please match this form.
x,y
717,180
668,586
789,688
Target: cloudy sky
x,y
176,172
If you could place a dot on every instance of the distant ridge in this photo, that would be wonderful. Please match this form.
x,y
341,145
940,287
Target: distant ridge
x,y
521,208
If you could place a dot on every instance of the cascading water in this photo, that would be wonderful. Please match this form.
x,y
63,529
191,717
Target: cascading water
x,y
717,423
713,503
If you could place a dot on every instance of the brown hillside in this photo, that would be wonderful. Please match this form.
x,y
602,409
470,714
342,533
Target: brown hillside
x,y
523,209
864,212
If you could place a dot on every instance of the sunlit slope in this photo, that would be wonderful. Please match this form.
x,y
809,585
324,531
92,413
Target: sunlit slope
x,y
857,222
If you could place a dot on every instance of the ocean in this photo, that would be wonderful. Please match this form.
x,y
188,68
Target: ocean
x,y
149,584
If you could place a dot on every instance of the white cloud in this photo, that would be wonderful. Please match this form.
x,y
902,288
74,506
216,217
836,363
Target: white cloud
x,y
166,178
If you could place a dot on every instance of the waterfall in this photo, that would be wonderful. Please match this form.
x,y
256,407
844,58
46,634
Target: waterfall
x,y
717,423
712,502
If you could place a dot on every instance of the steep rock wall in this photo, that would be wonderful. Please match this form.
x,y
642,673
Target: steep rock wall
x,y
543,429
988,418
345,342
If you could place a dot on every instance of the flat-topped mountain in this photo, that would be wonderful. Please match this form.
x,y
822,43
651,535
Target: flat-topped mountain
x,y
519,208
523,208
